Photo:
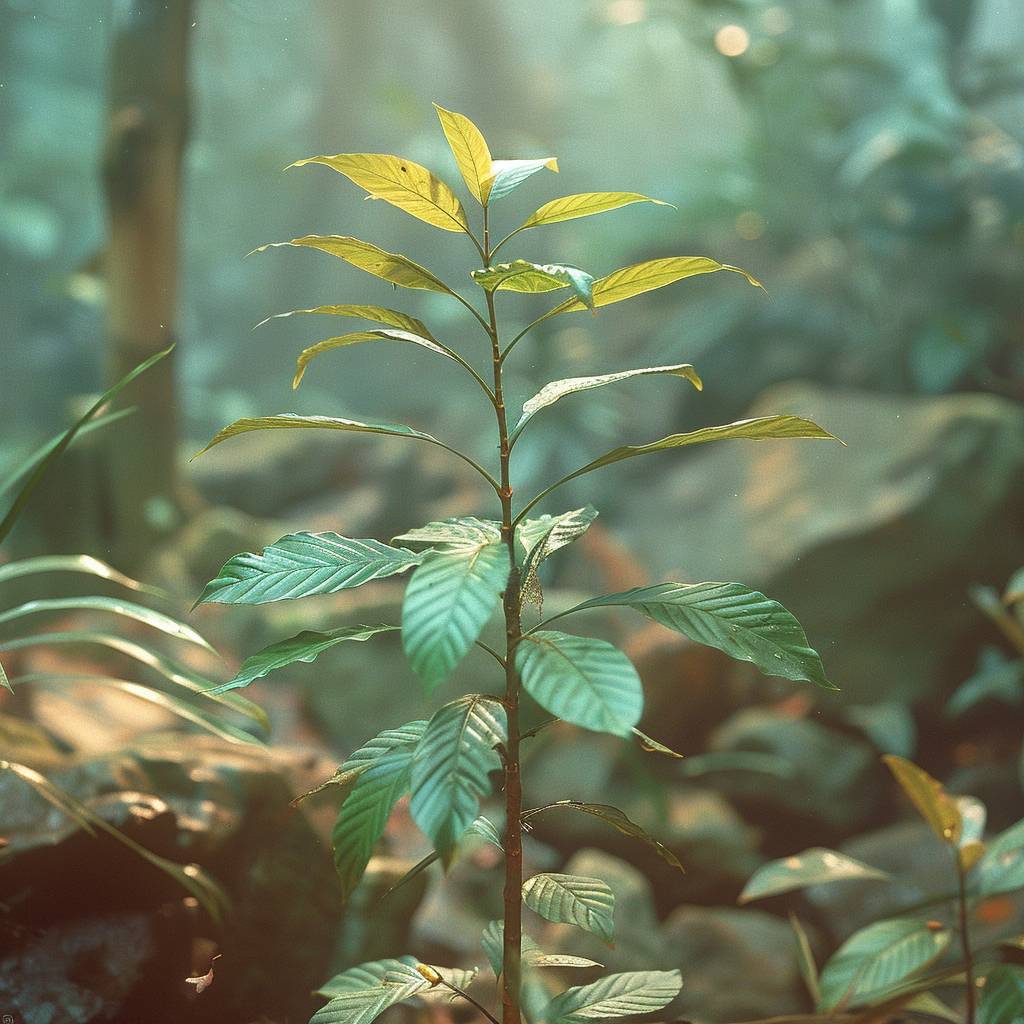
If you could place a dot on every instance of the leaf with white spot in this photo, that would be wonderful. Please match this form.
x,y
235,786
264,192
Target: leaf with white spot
x,y
812,867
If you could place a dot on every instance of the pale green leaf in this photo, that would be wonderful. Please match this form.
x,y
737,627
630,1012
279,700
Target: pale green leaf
x,y
389,266
581,680
449,599
1001,869
400,182
998,678
365,1005
616,996
652,746
1002,998
544,536
470,150
584,204
816,866
1014,591
729,616
572,899
458,531
450,768
303,564
364,976
927,794
85,564
531,278
378,314
381,770
307,355
507,175
116,606
551,393
493,941
305,646
878,959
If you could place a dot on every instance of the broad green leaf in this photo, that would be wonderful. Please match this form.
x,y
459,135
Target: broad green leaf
x,y
647,276
572,899
551,393
507,175
307,355
192,878
542,537
381,770
292,421
997,678
389,266
364,976
759,429
305,646
879,958
1001,869
930,1005
449,599
584,204
741,622
365,1005
812,867
167,702
652,746
85,564
927,794
618,995
470,150
493,941
1002,998
522,276
622,823
126,609
159,663
378,314
37,468
458,531
400,182
450,768
581,680
302,564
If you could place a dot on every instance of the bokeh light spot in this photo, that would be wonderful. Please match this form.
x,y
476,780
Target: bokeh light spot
x,y
750,225
626,12
732,40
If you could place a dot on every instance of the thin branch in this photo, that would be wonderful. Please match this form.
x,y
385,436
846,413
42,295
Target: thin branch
x,y
508,237
970,989
469,999
491,651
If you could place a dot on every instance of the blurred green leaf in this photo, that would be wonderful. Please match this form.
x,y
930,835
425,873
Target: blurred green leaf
x,y
816,866
1002,998
932,801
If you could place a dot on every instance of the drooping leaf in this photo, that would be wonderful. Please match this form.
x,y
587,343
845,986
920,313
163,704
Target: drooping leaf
x,y
572,899
303,564
470,150
305,646
493,941
812,867
85,564
618,995
450,768
449,599
759,429
652,746
1001,869
582,680
292,421
457,531
1002,998
307,355
378,314
364,976
400,182
930,798
507,175
584,204
389,266
729,616
523,276
551,393
879,958
41,466
619,821
544,536
381,770
116,606
159,663
362,1006
165,701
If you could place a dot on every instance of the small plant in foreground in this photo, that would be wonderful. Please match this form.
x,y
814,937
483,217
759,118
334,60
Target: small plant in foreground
x,y
463,567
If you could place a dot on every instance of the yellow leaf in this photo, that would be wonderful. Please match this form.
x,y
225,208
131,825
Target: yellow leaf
x,y
470,151
927,794
585,204
402,183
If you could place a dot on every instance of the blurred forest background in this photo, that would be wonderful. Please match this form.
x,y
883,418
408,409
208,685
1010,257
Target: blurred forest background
x,y
863,158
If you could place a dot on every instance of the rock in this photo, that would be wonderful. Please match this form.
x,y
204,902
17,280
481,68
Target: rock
x,y
212,803
872,546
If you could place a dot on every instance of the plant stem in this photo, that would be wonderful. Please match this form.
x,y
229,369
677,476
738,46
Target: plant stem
x,y
513,927
970,989
469,999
